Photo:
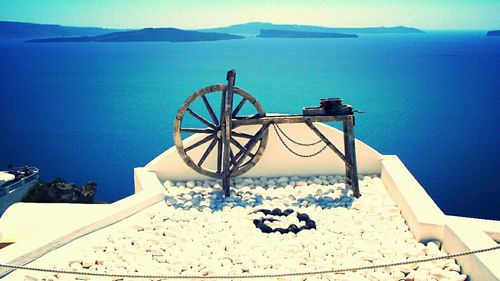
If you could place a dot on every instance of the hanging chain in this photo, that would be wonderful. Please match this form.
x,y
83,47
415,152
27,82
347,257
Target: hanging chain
x,y
294,152
295,142
250,276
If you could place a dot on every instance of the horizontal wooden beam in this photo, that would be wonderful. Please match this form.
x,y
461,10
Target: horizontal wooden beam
x,y
281,119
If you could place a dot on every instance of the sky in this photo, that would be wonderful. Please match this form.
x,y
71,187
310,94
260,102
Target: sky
x,y
189,14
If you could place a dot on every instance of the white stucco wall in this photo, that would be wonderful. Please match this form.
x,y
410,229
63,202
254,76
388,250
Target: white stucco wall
x,y
276,160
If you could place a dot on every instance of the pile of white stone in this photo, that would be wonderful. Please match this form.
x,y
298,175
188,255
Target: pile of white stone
x,y
322,191
208,240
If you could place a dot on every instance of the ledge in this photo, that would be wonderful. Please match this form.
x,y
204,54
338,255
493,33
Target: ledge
x,y
459,237
422,215
41,238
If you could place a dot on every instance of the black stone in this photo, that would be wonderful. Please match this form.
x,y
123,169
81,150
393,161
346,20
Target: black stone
x,y
270,219
256,222
310,224
303,217
287,212
293,228
264,211
266,229
281,230
276,212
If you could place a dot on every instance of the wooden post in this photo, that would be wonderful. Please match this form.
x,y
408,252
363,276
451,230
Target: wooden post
x,y
350,155
226,132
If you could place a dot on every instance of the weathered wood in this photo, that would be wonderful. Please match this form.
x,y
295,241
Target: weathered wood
x,y
226,133
327,142
241,147
197,130
251,144
210,110
232,158
242,135
222,133
350,146
207,152
198,143
238,107
288,119
215,172
219,145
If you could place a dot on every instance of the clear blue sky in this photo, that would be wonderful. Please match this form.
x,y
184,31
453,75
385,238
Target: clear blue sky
x,y
424,14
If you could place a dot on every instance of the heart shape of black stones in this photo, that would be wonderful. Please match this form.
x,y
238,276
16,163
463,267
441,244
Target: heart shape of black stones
x,y
260,223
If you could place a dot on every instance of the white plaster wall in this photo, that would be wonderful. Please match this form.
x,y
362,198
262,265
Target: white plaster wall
x,y
276,160
422,215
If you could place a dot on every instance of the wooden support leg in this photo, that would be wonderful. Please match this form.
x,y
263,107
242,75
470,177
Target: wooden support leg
x,y
350,154
226,133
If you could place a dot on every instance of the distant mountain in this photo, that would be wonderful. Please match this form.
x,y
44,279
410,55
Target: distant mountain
x,y
493,33
253,29
146,35
13,30
272,33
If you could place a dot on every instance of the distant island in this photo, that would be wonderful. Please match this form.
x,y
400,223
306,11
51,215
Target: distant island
x,y
33,32
253,29
146,35
493,33
273,33
24,30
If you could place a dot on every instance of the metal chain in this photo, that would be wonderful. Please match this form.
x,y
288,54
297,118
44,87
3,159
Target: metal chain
x,y
295,142
294,152
254,276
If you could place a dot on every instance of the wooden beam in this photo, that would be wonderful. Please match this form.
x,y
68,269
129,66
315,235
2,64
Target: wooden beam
x,y
350,152
280,119
226,132
327,142
250,145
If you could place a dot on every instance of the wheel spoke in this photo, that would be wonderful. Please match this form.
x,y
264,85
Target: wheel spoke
x,y
232,158
238,107
207,152
198,143
210,110
197,130
203,120
242,135
249,146
240,147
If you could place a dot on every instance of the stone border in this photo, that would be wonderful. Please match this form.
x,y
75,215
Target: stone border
x,y
31,248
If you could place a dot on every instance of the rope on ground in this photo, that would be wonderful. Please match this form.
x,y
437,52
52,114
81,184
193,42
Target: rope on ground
x,y
250,276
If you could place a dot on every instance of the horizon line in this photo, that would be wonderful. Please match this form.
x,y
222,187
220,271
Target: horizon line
x,y
265,22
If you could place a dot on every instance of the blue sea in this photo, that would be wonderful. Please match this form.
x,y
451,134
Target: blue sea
x,y
94,111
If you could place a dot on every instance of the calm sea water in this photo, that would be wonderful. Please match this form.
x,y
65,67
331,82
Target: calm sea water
x,y
95,111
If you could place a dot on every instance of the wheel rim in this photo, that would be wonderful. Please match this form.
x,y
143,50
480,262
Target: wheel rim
x,y
209,124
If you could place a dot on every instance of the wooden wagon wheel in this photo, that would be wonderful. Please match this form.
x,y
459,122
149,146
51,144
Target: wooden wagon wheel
x,y
245,149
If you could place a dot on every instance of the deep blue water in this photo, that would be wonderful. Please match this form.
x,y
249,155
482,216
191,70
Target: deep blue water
x,y
95,111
